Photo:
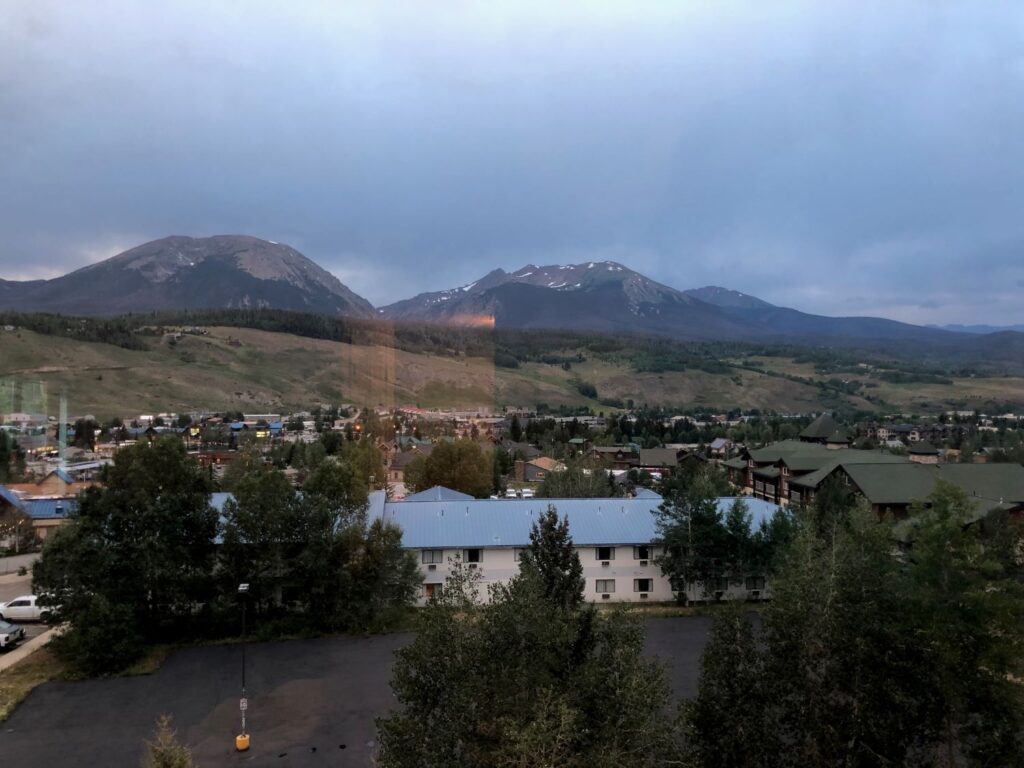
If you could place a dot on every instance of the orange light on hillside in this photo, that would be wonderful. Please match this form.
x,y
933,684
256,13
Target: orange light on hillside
x,y
473,321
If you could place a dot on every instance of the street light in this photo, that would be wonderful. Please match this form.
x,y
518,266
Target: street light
x,y
242,739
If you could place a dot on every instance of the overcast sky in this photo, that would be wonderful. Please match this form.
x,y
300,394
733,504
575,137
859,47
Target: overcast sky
x,y
861,158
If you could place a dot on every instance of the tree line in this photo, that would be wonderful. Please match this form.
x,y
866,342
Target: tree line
x,y
147,558
869,654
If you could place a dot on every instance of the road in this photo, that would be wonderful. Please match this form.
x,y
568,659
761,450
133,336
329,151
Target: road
x,y
311,703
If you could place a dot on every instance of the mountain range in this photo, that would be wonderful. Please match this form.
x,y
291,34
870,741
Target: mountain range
x,y
609,297
237,271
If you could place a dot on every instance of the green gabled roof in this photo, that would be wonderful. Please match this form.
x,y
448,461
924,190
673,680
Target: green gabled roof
x,y
821,428
990,482
832,458
923,448
810,457
785,448
736,463
813,479
893,483
768,472
846,458
839,436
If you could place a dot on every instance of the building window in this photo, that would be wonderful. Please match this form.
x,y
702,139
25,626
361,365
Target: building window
x,y
606,586
518,554
719,584
643,552
755,582
431,590
430,556
606,553
643,585
474,555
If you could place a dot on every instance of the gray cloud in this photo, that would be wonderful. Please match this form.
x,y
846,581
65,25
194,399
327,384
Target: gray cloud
x,y
806,153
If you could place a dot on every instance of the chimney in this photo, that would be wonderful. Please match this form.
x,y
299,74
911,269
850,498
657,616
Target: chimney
x,y
520,470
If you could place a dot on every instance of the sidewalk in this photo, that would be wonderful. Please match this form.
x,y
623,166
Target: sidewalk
x,y
13,578
26,649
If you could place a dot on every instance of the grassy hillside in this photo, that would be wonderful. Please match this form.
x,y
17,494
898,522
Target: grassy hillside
x,y
247,369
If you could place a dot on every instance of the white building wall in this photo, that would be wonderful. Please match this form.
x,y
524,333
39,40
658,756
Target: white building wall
x,y
625,569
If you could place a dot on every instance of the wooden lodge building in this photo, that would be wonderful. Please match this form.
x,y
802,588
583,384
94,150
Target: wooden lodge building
x,y
792,471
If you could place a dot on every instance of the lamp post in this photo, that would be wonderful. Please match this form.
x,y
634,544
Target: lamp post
x,y
242,739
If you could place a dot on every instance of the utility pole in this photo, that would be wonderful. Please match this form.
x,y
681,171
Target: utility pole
x,y
242,739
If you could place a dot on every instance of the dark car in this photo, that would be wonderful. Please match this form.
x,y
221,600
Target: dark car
x,y
10,634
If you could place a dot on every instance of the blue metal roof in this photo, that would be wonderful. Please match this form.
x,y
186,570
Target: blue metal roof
x,y
9,496
507,522
49,509
217,500
439,493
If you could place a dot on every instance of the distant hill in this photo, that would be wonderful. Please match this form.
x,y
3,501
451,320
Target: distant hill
x,y
606,296
174,273
979,329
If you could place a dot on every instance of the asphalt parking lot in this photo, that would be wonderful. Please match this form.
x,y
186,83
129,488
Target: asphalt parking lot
x,y
12,588
311,703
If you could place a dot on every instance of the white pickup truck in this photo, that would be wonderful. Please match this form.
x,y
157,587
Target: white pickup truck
x,y
24,608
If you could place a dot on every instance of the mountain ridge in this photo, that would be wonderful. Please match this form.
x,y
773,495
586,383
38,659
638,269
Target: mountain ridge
x,y
240,271
610,297
180,272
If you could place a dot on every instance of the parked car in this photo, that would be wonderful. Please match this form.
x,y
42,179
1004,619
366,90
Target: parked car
x,y
24,608
10,635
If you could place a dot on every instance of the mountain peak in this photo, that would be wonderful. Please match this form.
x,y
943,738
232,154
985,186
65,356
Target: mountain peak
x,y
726,297
181,272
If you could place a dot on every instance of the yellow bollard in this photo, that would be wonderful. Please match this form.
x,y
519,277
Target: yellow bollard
x,y
242,742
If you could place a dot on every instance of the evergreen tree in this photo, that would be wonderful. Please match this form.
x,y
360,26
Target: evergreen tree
x,y
525,681
967,605
728,727
695,538
555,559
868,656
135,558
515,430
